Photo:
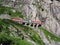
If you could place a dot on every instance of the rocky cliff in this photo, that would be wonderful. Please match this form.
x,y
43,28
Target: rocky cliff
x,y
37,9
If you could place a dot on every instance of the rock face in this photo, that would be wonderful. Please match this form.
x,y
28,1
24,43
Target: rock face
x,y
38,9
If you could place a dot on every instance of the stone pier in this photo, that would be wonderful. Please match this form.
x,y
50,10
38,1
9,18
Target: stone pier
x,y
34,25
25,24
37,25
29,24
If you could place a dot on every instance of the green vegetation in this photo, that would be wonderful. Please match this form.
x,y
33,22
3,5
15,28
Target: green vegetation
x,y
16,14
49,35
4,27
33,35
4,39
5,35
9,10
4,10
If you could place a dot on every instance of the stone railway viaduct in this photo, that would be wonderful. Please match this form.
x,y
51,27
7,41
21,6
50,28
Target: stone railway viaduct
x,y
29,23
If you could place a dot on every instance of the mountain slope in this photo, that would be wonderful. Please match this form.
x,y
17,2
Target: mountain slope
x,y
46,10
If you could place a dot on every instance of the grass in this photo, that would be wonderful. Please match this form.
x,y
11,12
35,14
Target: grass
x,y
49,34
